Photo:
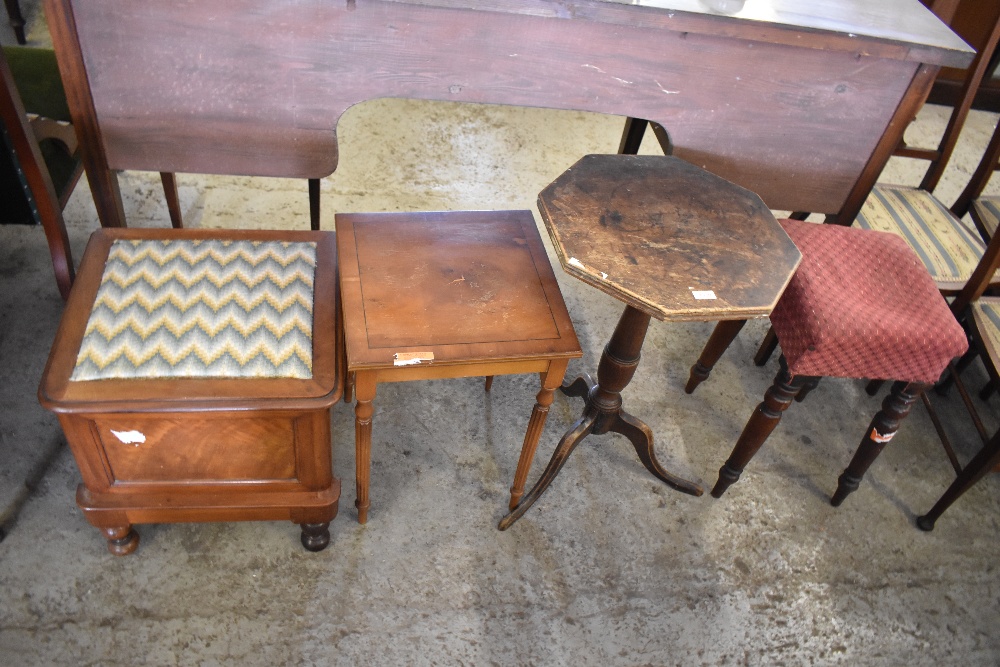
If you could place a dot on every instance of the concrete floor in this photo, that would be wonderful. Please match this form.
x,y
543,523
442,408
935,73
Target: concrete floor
x,y
610,567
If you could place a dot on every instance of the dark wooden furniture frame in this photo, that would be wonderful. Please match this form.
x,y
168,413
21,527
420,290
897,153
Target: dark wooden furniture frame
x,y
216,449
804,110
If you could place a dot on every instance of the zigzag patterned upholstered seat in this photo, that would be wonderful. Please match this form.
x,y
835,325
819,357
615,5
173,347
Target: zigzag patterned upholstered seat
x,y
201,308
948,249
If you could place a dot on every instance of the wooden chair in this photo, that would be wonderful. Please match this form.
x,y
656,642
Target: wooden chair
x,y
16,19
985,211
861,305
946,246
981,317
43,150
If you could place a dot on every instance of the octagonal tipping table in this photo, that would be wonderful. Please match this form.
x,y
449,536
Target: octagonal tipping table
x,y
671,241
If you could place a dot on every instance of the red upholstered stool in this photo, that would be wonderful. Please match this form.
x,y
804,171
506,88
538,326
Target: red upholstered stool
x,y
861,305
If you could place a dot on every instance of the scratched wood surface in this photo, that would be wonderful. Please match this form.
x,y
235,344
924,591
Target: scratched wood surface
x,y
460,285
257,86
668,238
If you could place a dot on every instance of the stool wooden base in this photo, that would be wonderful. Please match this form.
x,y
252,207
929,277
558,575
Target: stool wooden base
x,y
207,449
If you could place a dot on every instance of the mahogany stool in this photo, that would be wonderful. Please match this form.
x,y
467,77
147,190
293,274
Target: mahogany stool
x,y
193,374
448,295
861,305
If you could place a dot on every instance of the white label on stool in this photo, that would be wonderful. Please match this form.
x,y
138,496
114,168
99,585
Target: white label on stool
x,y
703,294
410,358
129,437
880,437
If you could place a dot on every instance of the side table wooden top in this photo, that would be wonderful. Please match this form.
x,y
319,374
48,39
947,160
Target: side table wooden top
x,y
458,285
668,238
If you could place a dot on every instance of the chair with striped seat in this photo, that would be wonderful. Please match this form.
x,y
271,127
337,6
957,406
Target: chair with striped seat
x,y
946,246
981,315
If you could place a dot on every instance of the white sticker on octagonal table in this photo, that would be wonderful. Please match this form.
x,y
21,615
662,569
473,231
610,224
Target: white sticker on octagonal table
x,y
129,437
703,294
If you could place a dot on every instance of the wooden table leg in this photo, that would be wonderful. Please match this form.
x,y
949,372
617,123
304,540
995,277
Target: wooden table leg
x,y
551,379
603,412
364,387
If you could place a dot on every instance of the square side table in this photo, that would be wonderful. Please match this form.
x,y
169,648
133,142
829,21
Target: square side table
x,y
448,295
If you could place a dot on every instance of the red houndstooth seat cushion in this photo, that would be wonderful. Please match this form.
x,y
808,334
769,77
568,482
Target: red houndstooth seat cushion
x,y
862,305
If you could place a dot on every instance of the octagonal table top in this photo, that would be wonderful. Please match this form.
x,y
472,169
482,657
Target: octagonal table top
x,y
668,238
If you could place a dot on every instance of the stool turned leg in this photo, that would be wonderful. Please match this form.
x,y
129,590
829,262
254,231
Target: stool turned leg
x,y
807,387
763,421
722,337
982,463
122,540
364,386
881,430
551,379
315,536
489,383
767,348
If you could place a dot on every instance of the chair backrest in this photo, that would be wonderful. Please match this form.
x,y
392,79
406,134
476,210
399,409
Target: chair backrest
x,y
28,157
987,165
256,87
939,156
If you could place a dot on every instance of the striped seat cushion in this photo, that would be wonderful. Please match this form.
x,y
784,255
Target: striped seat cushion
x,y
861,305
987,211
201,309
945,245
986,313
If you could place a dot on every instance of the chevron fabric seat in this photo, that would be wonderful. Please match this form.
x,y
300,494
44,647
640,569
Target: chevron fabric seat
x,y
201,308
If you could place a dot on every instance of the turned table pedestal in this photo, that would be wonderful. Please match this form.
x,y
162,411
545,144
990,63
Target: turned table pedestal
x,y
671,241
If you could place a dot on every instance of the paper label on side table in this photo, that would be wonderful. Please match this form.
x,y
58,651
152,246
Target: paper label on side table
x,y
410,358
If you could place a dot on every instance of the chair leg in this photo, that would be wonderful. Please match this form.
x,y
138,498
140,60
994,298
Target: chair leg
x,y
314,204
982,463
881,430
489,382
169,181
16,21
767,348
764,419
722,337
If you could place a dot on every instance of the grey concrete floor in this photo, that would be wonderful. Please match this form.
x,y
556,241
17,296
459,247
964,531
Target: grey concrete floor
x,y
610,567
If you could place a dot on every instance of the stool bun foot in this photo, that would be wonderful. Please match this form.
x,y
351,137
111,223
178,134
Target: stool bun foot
x,y
925,523
122,540
315,536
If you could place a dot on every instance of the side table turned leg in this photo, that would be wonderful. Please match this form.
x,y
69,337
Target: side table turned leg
x,y
603,412
881,430
551,379
122,540
364,387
